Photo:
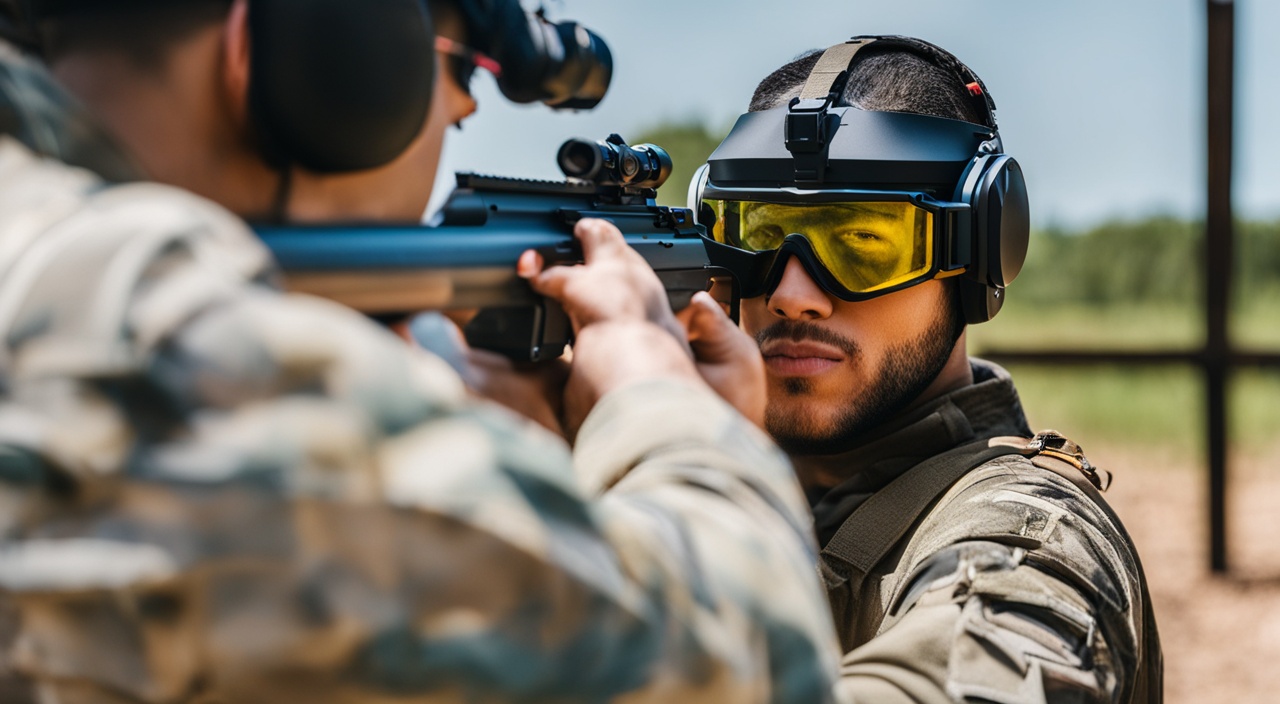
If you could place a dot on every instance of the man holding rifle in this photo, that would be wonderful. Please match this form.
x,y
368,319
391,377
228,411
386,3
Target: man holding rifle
x,y
218,492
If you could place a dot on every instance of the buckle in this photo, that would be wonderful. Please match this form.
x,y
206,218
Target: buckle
x,y
1051,443
804,129
807,134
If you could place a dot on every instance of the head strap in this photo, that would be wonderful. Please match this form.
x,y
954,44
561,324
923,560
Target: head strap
x,y
810,123
831,71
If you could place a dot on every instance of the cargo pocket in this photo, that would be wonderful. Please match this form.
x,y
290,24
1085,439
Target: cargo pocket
x,y
1025,636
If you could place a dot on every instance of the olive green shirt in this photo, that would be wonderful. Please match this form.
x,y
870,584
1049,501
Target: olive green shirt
x,y
1013,587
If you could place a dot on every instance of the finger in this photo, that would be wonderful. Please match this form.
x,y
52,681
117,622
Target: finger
x,y
553,281
529,264
706,320
599,238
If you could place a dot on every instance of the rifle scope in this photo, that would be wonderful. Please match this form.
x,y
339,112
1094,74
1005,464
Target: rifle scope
x,y
612,162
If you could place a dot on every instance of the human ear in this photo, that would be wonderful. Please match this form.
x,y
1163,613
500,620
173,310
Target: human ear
x,y
235,60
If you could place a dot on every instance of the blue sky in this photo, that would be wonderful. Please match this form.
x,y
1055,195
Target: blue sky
x,y
1101,101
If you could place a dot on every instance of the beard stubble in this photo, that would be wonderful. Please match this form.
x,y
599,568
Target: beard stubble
x,y
908,370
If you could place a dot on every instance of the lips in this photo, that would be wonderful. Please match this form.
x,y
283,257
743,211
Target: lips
x,y
787,358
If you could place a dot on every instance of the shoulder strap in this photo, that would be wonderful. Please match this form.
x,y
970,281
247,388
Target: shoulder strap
x,y
876,526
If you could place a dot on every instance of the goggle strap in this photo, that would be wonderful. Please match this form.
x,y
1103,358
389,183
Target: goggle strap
x,y
833,64
462,51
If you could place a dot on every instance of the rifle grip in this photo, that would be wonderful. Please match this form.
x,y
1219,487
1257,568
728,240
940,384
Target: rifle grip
x,y
530,333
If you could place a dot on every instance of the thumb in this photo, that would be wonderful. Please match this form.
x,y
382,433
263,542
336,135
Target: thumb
x,y
710,330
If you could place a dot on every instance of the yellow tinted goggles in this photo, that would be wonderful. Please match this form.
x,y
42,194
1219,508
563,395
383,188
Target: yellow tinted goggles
x,y
864,246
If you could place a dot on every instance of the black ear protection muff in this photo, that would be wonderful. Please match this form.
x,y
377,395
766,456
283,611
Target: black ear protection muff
x,y
334,85
337,85
994,188
345,85
814,150
996,192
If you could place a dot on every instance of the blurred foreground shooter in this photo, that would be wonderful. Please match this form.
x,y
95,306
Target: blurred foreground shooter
x,y
214,491
870,211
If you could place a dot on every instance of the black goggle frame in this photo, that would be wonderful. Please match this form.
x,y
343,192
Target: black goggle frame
x,y
758,273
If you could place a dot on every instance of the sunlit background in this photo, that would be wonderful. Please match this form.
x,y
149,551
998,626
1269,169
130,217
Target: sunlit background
x,y
1101,101
1103,104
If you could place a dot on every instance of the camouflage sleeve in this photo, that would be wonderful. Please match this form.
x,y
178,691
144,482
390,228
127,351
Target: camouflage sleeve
x,y
215,492
1018,594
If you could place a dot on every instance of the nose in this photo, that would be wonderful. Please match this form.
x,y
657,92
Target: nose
x,y
797,297
461,106
467,108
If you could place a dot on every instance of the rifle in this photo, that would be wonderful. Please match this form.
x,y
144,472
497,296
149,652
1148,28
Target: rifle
x,y
468,260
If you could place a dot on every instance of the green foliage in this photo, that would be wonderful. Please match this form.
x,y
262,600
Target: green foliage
x,y
1140,285
1147,406
1258,256
1027,323
1158,260
1154,407
1132,284
689,143
1146,261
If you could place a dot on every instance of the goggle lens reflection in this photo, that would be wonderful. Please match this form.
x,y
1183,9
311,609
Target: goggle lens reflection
x,y
866,246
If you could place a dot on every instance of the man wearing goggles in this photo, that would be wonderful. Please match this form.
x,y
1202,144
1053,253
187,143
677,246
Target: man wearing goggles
x,y
869,213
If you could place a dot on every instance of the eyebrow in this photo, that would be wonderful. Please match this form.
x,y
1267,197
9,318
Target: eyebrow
x,y
873,214
809,211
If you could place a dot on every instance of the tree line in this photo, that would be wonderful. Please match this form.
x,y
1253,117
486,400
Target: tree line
x,y
1153,260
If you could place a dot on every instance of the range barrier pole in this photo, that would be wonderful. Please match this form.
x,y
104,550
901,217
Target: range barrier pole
x,y
1218,244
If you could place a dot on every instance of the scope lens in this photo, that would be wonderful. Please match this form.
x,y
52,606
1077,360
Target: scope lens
x,y
630,165
580,159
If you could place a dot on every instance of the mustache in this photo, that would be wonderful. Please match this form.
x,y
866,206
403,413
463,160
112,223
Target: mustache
x,y
799,331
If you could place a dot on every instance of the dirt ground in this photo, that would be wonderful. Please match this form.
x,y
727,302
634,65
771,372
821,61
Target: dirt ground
x,y
1221,635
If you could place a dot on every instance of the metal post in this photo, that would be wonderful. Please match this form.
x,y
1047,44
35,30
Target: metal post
x,y
1218,260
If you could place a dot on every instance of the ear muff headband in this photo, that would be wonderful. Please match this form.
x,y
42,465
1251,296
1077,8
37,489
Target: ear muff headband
x,y
339,85
945,60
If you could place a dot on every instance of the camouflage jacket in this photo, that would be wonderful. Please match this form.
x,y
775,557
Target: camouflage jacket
x,y
211,491
1014,586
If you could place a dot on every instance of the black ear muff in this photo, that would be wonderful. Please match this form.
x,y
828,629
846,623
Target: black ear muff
x,y
1003,216
339,85
996,192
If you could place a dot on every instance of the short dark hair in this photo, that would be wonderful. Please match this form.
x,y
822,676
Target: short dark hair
x,y
892,79
142,30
